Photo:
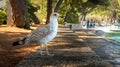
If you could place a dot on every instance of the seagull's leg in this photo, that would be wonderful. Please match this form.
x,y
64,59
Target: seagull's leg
x,y
46,49
39,48
47,52
41,53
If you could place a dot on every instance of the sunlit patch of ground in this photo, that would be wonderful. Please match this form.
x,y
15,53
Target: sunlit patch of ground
x,y
9,55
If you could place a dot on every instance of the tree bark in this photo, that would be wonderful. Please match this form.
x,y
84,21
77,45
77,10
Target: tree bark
x,y
9,14
20,13
49,10
57,5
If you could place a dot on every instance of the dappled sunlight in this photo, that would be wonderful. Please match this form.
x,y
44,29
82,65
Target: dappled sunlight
x,y
78,26
65,43
61,58
77,49
8,53
81,40
13,29
91,37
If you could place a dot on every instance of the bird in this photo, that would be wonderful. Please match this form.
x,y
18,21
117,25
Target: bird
x,y
41,35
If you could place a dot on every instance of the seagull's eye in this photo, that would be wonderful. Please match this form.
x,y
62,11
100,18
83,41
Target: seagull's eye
x,y
55,14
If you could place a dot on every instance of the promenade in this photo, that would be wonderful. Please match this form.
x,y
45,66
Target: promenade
x,y
70,49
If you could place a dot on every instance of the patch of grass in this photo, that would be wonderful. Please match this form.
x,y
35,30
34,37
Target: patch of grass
x,y
115,30
113,33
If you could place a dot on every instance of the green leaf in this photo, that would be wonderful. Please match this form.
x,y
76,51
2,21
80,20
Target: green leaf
x,y
119,2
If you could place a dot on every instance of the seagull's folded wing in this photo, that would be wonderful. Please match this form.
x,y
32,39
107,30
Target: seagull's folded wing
x,y
39,33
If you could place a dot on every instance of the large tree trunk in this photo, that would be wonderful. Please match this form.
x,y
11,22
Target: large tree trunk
x,y
20,13
57,5
49,10
9,14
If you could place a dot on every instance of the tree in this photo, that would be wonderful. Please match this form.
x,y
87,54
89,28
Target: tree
x,y
65,10
114,10
87,6
49,10
31,9
57,5
20,13
9,14
73,9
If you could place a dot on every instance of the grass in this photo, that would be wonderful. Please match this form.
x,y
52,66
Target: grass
x,y
113,33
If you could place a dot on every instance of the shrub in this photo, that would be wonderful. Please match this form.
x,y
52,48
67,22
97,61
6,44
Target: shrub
x,y
2,16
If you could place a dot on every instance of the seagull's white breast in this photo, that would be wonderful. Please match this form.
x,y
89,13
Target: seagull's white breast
x,y
53,29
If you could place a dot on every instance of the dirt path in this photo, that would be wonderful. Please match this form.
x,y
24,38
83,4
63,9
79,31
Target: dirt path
x,y
9,55
69,49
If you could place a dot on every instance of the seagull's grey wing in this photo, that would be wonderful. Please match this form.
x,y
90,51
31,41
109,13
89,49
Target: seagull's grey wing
x,y
39,33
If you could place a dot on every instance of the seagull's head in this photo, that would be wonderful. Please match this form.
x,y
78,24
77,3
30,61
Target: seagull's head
x,y
54,15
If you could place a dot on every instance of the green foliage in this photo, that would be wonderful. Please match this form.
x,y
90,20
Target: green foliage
x,y
2,16
118,12
84,1
100,10
114,8
76,7
38,8
119,2
100,2
74,16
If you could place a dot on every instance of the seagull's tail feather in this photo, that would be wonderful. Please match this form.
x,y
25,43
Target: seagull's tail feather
x,y
19,42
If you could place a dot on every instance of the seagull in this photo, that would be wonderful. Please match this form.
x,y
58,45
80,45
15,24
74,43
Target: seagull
x,y
42,35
